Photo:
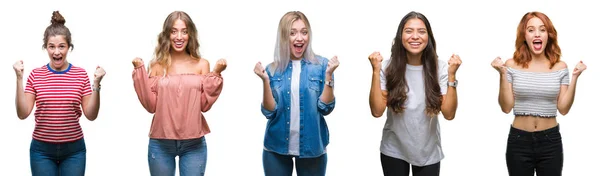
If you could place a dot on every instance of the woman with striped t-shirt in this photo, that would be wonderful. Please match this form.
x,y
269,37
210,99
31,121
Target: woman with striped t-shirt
x,y
534,84
61,93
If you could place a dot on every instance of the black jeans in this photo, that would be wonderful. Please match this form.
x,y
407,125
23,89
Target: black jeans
x,y
397,167
529,152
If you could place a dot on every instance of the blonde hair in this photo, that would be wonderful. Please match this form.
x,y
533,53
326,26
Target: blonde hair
x,y
282,46
162,53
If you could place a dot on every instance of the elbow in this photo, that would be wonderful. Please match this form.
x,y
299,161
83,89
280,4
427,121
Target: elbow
x,y
449,117
22,115
376,113
563,112
505,110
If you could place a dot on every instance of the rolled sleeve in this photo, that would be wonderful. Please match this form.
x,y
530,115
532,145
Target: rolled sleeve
x,y
268,113
325,108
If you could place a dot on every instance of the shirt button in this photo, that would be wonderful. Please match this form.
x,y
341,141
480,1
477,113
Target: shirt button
x,y
286,139
288,107
288,92
289,78
288,122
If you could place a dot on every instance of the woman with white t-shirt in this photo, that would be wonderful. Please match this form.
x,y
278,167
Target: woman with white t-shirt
x,y
416,86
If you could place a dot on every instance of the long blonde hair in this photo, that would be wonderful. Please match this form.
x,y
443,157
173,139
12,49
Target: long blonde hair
x,y
162,53
282,46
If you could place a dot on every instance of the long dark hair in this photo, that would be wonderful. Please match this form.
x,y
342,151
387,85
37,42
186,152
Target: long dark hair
x,y
394,73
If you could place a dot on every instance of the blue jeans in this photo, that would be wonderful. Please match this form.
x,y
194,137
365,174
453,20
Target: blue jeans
x,y
281,165
64,159
191,152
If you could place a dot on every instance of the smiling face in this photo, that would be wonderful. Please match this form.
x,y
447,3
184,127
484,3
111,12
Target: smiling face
x,y
536,36
179,36
298,39
414,36
57,48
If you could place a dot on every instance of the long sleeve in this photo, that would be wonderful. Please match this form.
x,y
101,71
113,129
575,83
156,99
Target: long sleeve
x,y
212,84
145,88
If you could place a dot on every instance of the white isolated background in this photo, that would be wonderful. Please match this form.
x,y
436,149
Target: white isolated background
x,y
111,33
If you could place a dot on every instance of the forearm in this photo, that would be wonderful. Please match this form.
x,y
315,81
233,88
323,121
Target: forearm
x,y
376,99
566,101
20,101
327,95
505,96
450,102
93,106
268,100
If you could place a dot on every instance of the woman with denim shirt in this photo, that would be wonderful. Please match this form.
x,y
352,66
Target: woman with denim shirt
x,y
534,84
178,88
297,94
414,85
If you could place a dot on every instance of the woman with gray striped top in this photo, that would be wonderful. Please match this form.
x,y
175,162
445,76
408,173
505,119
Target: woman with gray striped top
x,y
534,84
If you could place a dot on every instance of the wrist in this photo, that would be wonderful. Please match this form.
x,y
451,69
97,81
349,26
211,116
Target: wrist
x,y
451,77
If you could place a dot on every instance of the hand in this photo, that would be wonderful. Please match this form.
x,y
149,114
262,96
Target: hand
x,y
260,71
453,64
499,65
220,66
579,68
376,60
332,65
137,62
99,74
18,67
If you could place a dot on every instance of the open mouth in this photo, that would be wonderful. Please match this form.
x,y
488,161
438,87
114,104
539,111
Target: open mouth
x,y
57,60
179,44
537,44
298,47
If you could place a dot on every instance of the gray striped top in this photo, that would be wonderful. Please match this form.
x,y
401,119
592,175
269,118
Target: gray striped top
x,y
536,93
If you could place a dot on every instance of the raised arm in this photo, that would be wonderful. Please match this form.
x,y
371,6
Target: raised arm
x,y
326,101
377,97
450,100
24,100
268,105
212,84
567,91
91,103
506,98
143,84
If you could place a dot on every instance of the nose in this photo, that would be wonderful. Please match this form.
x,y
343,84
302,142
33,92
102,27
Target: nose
x,y
56,51
179,35
537,33
414,36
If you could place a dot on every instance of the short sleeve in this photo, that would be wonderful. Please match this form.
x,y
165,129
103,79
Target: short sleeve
x,y
564,77
509,74
86,88
30,85
382,80
443,76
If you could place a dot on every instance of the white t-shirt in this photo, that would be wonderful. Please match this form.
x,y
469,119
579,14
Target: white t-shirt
x,y
294,145
413,136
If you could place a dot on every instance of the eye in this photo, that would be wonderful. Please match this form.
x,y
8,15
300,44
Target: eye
x,y
173,32
543,30
304,32
61,47
51,47
529,30
292,33
422,32
185,32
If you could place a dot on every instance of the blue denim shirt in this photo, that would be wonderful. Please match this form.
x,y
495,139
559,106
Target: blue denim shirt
x,y
314,134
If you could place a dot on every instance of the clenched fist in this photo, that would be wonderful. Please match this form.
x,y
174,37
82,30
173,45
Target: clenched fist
x,y
375,58
453,64
99,74
260,71
499,65
220,66
579,68
18,67
332,65
137,62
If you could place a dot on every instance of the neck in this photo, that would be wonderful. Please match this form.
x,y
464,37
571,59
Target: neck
x,y
540,58
179,56
414,59
63,68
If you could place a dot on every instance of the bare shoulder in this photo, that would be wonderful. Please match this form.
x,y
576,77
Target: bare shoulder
x,y
155,69
559,66
510,63
203,65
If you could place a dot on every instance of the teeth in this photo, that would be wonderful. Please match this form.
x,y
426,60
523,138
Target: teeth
x,y
412,43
